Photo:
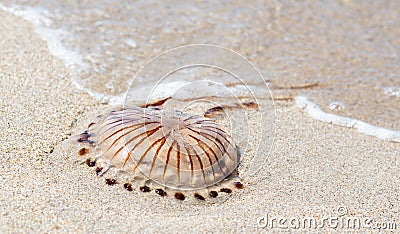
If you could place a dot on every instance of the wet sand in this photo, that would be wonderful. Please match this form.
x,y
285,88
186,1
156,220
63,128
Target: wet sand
x,y
314,168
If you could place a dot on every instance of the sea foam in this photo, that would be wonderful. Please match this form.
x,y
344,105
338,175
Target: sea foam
x,y
314,111
73,60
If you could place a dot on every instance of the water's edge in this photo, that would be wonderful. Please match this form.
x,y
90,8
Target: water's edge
x,y
315,112
74,61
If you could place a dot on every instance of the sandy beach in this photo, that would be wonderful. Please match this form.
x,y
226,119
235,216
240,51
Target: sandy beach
x,y
314,169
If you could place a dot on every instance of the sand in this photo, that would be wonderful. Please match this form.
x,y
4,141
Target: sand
x,y
313,170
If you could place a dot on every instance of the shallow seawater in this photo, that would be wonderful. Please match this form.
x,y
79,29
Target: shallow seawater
x,y
344,52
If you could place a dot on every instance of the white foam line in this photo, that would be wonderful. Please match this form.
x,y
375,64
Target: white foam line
x,y
314,111
53,37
